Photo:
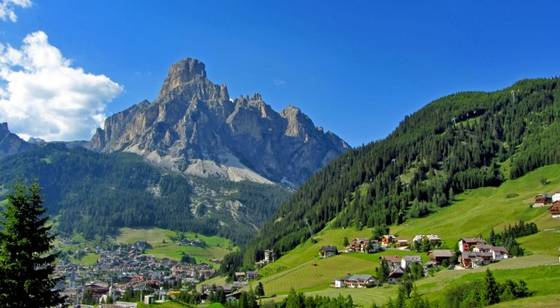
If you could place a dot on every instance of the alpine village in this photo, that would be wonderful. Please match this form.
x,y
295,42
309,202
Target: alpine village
x,y
209,195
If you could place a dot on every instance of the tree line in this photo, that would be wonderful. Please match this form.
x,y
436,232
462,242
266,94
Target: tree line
x,y
507,238
96,194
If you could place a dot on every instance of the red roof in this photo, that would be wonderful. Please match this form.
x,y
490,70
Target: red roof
x,y
555,208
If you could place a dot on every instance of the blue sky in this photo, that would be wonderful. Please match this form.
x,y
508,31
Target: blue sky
x,y
355,67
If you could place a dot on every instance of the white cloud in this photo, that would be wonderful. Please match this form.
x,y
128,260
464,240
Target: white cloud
x,y
42,95
7,8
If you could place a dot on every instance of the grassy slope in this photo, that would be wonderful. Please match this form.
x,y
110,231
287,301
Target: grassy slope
x,y
89,258
474,212
164,247
303,269
478,210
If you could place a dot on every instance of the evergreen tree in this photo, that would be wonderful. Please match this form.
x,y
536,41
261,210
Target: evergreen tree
x,y
26,261
259,290
492,237
379,231
294,300
491,293
382,271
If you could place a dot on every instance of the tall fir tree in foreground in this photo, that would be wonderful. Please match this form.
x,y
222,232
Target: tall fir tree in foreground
x,y
26,261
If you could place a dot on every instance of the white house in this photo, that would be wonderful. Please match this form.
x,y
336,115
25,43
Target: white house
x,y
556,197
339,283
499,253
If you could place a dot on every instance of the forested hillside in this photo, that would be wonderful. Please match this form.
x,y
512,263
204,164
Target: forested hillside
x,y
96,194
461,141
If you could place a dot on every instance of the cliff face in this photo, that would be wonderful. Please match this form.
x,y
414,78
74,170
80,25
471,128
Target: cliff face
x,y
194,127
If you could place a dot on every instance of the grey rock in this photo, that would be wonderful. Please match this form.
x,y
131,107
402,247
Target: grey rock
x,y
195,128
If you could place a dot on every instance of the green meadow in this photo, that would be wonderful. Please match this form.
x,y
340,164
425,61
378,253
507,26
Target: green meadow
x,y
473,213
164,247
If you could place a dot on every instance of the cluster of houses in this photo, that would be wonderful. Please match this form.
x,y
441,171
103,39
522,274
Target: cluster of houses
x,y
231,290
475,252
397,266
550,201
126,267
363,245
472,253
246,276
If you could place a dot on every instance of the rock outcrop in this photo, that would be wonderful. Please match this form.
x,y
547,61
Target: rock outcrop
x,y
194,127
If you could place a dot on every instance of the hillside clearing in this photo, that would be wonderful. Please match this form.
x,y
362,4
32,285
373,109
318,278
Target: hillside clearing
x,y
164,247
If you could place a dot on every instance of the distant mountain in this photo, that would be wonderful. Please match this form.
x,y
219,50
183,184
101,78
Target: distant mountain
x,y
192,160
195,128
462,141
95,194
10,143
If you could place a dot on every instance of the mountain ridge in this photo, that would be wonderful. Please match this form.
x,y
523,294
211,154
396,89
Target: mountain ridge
x,y
195,127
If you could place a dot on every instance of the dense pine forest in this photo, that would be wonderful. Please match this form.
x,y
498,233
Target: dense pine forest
x,y
96,194
462,141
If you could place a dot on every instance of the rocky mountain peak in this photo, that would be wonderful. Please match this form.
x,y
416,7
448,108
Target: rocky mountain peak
x,y
194,128
184,71
10,143
290,111
187,79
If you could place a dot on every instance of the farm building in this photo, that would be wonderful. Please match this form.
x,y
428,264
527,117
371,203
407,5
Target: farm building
x,y
439,255
555,210
407,260
328,251
355,281
542,200
468,243
388,239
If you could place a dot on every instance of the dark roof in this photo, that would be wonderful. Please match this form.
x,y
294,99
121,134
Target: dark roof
x,y
397,272
472,240
361,277
358,239
329,248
